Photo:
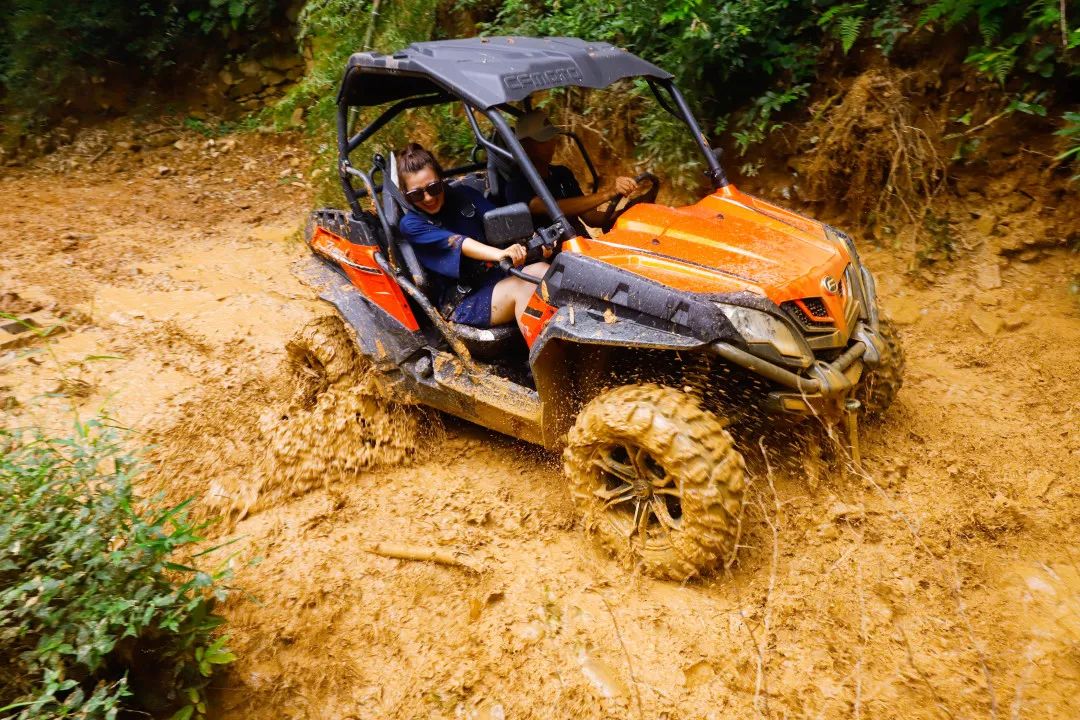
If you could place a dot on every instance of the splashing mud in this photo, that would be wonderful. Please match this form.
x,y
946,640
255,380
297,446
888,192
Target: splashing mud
x,y
320,421
337,422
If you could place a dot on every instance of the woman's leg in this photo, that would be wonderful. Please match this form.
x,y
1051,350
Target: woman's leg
x,y
511,295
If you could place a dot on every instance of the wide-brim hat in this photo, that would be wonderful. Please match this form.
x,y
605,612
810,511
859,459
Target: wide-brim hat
x,y
535,125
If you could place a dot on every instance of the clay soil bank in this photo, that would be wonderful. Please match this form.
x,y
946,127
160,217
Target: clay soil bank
x,y
945,585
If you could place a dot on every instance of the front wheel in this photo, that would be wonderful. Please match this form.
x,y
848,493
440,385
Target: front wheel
x,y
878,387
656,475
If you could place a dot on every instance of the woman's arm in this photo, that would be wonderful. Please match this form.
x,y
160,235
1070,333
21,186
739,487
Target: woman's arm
x,y
479,251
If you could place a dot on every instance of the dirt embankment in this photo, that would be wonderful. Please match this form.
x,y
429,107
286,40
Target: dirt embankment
x,y
944,584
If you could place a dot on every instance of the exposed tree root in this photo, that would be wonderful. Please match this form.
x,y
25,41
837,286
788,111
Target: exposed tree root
x,y
873,156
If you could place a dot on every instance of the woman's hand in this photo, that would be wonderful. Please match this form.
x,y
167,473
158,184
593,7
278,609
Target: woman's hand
x,y
516,254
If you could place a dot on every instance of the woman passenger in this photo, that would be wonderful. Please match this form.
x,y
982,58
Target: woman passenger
x,y
447,232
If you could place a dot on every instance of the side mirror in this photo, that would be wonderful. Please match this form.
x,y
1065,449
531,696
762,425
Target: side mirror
x,y
507,225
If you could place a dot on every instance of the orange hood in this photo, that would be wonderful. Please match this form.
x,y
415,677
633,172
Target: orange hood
x,y
728,242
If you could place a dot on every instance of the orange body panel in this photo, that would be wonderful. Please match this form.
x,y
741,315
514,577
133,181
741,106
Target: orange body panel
x,y
373,282
535,317
727,242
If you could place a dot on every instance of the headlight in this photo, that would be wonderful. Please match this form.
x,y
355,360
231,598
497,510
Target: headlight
x,y
765,331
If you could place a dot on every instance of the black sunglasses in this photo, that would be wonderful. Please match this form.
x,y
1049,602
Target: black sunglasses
x,y
434,189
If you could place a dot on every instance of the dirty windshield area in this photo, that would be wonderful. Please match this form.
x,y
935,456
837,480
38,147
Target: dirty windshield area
x,y
253,466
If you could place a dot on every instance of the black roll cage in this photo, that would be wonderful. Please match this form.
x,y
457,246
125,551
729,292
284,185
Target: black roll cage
x,y
510,152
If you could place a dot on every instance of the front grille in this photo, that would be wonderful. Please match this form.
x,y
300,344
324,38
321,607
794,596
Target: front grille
x,y
816,307
803,317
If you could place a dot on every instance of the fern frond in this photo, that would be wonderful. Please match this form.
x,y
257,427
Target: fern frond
x,y
848,31
952,12
990,29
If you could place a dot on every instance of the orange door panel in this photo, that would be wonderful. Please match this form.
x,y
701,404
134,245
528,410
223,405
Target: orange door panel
x,y
376,285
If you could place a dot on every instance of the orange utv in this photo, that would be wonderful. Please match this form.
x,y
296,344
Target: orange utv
x,y
650,347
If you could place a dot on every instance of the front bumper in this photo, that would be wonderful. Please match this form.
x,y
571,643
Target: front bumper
x,y
821,388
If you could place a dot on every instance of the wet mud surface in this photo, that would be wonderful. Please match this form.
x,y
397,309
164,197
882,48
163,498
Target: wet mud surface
x,y
942,583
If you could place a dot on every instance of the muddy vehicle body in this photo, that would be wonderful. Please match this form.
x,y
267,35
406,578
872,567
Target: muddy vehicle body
x,y
645,345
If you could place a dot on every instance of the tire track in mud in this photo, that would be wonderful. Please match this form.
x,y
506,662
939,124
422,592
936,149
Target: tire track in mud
x,y
943,588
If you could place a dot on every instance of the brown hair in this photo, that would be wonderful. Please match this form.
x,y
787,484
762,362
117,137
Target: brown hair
x,y
415,158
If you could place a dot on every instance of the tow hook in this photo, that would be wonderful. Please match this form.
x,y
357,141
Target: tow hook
x,y
851,409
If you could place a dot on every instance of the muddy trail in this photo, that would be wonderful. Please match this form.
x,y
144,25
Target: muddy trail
x,y
944,583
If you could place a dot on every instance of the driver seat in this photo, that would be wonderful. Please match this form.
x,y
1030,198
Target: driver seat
x,y
493,343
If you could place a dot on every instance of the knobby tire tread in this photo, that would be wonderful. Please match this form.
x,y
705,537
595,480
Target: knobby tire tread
x,y
692,446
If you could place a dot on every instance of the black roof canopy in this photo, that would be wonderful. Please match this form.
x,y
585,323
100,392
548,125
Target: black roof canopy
x,y
488,71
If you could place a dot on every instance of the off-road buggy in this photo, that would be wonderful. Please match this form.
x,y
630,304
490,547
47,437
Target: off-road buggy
x,y
646,347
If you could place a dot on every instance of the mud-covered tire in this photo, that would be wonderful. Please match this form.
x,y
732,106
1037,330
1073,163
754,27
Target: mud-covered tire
x,y
878,387
670,443
319,355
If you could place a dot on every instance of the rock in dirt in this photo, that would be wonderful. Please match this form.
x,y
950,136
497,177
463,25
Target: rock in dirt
x,y
601,676
988,277
283,62
986,224
903,310
1017,202
161,139
698,674
70,240
249,67
988,323
1014,321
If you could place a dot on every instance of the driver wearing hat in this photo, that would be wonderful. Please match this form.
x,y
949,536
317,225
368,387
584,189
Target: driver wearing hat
x,y
540,139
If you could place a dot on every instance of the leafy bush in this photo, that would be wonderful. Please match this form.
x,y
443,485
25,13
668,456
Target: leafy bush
x,y
331,31
97,610
50,48
1071,133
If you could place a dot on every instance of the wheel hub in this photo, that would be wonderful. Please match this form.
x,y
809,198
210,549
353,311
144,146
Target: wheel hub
x,y
638,495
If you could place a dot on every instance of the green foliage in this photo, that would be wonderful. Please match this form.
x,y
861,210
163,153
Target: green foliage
x,y
98,607
49,48
219,128
1032,34
756,122
749,62
1071,133
332,30
844,21
939,241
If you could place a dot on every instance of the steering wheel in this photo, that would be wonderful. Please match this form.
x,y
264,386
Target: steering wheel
x,y
646,197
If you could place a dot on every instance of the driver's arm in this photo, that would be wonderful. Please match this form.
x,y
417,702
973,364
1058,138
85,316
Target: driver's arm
x,y
580,205
583,205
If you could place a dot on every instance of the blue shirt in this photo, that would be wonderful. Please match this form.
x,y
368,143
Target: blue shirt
x,y
437,238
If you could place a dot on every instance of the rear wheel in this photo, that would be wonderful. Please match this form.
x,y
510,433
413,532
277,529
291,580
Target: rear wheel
x,y
319,356
656,475
879,386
